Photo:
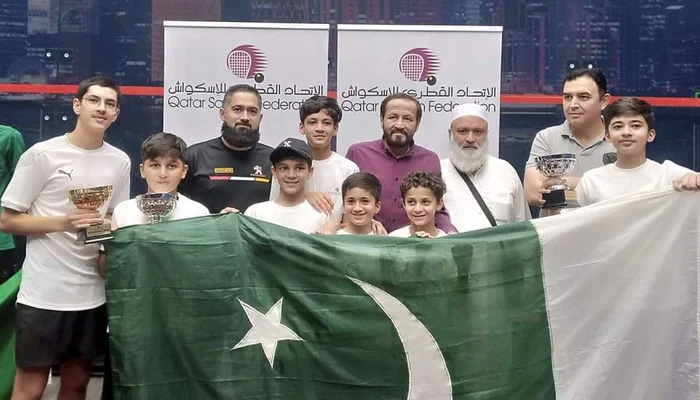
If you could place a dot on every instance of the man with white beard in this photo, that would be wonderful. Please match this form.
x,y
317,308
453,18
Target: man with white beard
x,y
482,190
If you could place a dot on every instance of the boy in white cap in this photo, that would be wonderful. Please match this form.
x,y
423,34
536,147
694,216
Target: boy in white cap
x,y
482,190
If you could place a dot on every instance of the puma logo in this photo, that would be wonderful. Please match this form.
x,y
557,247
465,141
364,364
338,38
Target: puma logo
x,y
68,174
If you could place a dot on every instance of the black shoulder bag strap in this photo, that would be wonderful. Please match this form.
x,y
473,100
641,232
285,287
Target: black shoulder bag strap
x,y
477,197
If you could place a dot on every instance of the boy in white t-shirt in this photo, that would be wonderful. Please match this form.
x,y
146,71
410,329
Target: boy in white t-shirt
x,y
422,194
319,120
163,167
291,167
61,317
629,126
361,194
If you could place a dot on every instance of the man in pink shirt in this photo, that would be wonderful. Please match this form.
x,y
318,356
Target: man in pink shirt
x,y
394,156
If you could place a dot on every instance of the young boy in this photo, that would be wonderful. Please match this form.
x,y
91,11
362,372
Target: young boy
x,y
422,194
163,167
361,194
319,120
61,316
291,167
629,126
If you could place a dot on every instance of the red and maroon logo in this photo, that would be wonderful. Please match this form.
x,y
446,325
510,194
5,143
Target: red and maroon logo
x,y
420,65
247,61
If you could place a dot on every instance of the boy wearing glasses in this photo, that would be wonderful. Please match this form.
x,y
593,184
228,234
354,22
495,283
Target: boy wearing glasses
x,y
61,318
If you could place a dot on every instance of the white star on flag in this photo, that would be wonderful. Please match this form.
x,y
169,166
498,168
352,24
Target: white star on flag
x,y
267,330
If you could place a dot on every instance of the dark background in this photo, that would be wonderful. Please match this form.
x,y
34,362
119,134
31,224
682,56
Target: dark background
x,y
645,47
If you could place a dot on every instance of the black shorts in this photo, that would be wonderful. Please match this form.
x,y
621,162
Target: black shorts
x,y
48,337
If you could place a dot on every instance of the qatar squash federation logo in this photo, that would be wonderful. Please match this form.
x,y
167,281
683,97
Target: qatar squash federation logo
x,y
420,65
247,61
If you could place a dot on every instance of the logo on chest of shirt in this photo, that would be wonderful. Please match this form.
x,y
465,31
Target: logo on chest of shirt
x,y
67,173
226,174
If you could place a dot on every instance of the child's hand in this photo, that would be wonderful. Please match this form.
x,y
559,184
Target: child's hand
x,y
422,234
81,219
228,210
689,181
321,201
378,229
328,228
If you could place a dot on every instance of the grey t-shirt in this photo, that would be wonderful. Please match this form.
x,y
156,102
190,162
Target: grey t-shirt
x,y
559,139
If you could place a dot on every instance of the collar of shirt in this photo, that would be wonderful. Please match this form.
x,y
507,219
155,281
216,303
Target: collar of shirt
x,y
566,133
411,150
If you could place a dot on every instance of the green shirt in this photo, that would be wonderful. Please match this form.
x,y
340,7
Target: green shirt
x,y
11,147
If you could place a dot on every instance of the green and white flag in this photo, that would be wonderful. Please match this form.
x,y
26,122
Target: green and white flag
x,y
598,303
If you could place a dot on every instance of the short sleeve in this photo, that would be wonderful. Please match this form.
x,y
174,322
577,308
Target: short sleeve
x,y
582,189
26,183
121,191
540,147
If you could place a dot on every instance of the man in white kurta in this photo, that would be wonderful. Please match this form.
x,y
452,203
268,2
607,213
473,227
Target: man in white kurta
x,y
495,179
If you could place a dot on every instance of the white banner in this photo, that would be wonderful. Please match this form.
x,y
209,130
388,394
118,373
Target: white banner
x,y
287,63
442,66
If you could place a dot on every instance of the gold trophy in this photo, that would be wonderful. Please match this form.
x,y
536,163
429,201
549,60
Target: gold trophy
x,y
92,199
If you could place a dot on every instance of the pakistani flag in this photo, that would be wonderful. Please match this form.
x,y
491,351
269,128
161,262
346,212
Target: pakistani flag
x,y
598,303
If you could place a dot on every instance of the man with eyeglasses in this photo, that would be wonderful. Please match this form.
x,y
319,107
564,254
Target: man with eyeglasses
x,y
61,318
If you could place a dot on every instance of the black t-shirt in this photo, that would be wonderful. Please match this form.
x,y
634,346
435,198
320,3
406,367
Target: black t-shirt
x,y
219,177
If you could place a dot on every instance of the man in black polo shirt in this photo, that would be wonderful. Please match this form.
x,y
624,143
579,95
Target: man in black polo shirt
x,y
232,170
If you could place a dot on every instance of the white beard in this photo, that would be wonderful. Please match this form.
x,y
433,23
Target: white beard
x,y
469,160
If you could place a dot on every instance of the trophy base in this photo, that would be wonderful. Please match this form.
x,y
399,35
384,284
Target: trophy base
x,y
96,234
554,199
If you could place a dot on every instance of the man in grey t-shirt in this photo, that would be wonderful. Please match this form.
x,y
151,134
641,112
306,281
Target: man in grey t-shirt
x,y
583,134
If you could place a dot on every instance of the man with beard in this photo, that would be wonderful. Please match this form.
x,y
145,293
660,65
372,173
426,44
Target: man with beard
x,y
394,156
231,171
482,190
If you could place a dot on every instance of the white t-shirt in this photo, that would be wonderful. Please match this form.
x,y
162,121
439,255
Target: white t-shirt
x,y
302,217
328,177
611,181
127,213
59,273
499,186
344,232
405,232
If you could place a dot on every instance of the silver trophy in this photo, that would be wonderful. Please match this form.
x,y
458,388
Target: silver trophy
x,y
156,206
555,166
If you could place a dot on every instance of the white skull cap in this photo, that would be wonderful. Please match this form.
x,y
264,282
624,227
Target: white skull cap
x,y
469,109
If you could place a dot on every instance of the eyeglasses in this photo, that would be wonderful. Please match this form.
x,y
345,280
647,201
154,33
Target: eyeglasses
x,y
111,106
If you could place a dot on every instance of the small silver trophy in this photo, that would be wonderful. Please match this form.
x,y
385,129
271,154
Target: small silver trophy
x,y
555,166
156,206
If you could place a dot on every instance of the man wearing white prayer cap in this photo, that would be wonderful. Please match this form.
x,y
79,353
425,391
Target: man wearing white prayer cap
x,y
496,193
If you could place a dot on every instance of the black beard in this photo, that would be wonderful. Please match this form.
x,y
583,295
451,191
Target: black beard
x,y
394,145
243,137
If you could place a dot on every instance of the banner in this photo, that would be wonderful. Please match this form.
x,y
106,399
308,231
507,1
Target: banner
x,y
287,63
442,66
553,308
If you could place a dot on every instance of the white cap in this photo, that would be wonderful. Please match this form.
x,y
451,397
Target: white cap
x,y
469,109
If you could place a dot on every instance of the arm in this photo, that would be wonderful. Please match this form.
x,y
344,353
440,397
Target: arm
x,y
21,223
321,201
582,193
